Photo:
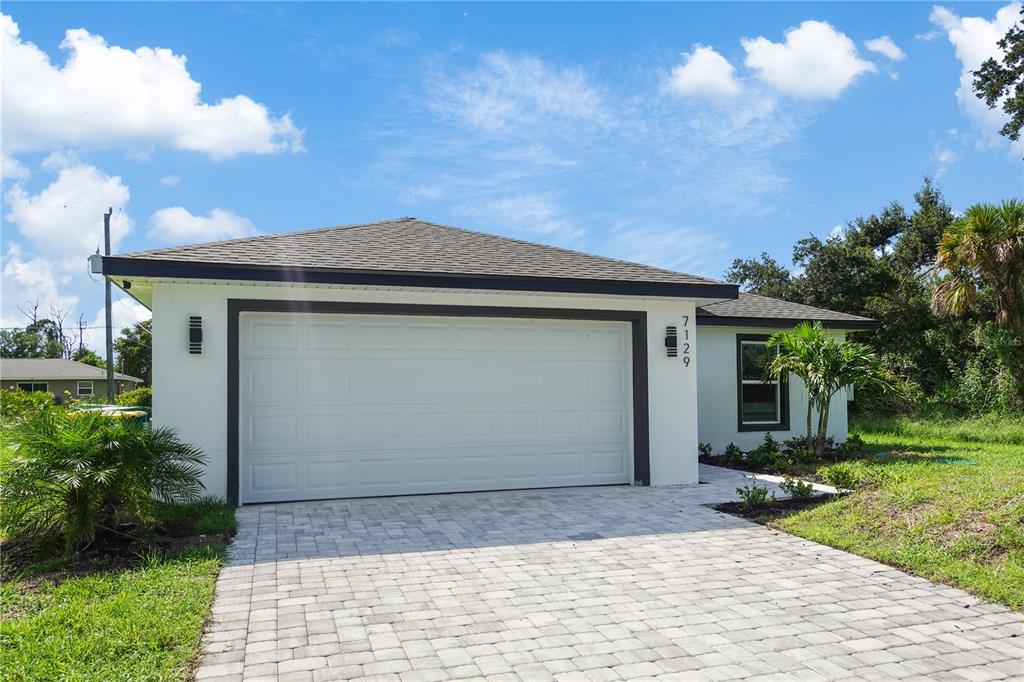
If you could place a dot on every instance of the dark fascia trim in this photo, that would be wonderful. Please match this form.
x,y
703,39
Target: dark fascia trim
x,y
140,267
636,318
783,423
780,322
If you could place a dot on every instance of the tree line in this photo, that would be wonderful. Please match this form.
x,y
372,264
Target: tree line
x,y
51,336
947,291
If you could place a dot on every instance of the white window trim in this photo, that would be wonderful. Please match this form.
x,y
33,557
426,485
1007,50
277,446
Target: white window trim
x,y
776,423
91,388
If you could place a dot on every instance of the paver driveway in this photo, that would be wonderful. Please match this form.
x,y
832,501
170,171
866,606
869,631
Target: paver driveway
x,y
579,584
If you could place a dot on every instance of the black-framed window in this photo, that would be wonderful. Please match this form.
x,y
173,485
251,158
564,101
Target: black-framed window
x,y
762,405
33,386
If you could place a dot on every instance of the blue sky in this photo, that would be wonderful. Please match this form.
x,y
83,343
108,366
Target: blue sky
x,y
681,135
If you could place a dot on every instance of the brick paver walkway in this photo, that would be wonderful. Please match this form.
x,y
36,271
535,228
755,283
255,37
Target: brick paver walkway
x,y
585,584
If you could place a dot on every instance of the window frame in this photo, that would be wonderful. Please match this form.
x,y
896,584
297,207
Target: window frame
x,y
92,388
32,386
782,424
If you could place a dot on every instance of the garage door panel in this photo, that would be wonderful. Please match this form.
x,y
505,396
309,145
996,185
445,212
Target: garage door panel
x,y
272,335
329,336
346,405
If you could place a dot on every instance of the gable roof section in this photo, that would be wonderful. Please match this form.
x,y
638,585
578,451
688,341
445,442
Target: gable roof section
x,y
54,369
751,310
411,252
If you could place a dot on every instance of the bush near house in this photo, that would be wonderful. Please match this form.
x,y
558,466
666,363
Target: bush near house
x,y
142,397
75,474
130,604
791,457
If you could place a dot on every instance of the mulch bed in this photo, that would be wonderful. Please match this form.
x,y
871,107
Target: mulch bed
x,y
772,511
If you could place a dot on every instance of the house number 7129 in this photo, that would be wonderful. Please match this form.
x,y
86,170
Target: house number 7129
x,y
684,341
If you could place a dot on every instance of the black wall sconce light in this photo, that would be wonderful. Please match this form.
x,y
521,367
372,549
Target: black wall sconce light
x,y
671,341
195,335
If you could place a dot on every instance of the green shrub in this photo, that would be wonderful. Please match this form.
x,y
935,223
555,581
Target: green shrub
x,y
732,454
769,456
704,450
75,473
841,476
797,489
753,495
18,405
853,447
142,396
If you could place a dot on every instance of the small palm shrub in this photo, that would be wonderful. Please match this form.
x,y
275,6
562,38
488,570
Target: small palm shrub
x,y
74,474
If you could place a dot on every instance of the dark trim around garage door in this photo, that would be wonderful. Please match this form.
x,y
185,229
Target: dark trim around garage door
x,y
636,318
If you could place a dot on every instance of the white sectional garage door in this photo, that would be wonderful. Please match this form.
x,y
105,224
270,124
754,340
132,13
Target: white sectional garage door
x,y
362,405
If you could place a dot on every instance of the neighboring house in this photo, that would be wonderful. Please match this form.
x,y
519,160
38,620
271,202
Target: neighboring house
x,y
60,377
409,357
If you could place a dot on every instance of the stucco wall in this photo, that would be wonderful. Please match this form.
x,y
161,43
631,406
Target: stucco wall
x,y
190,391
716,401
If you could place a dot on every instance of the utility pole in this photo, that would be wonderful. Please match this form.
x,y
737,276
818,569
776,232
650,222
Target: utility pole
x,y
110,316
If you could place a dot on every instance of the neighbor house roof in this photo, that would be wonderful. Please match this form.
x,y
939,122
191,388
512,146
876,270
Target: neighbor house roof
x,y
54,369
751,310
411,252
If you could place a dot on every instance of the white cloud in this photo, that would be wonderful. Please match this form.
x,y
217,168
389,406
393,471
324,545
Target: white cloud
x,y
944,157
65,220
682,249
11,169
109,96
124,312
30,281
505,90
816,61
703,72
885,46
535,214
170,180
176,224
837,231
975,40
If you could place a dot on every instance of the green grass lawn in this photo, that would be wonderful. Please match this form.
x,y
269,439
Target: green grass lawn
x,y
957,523
137,622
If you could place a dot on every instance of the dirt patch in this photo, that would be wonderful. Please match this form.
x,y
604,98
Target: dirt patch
x,y
773,511
108,553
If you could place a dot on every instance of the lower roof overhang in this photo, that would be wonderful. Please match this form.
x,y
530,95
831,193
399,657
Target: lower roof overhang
x,y
706,320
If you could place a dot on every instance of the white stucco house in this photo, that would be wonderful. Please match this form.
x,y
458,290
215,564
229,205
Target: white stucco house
x,y
406,357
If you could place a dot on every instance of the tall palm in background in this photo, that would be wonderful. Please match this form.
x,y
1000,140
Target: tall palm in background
x,y
826,366
985,249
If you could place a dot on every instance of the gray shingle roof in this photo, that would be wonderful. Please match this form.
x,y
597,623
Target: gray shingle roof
x,y
54,369
752,309
408,245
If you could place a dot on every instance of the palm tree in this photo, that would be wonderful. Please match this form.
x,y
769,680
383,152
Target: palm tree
x,y
826,366
797,350
985,249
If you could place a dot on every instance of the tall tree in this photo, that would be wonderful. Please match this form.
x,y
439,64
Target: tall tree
x,y
134,349
1004,80
985,249
765,277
